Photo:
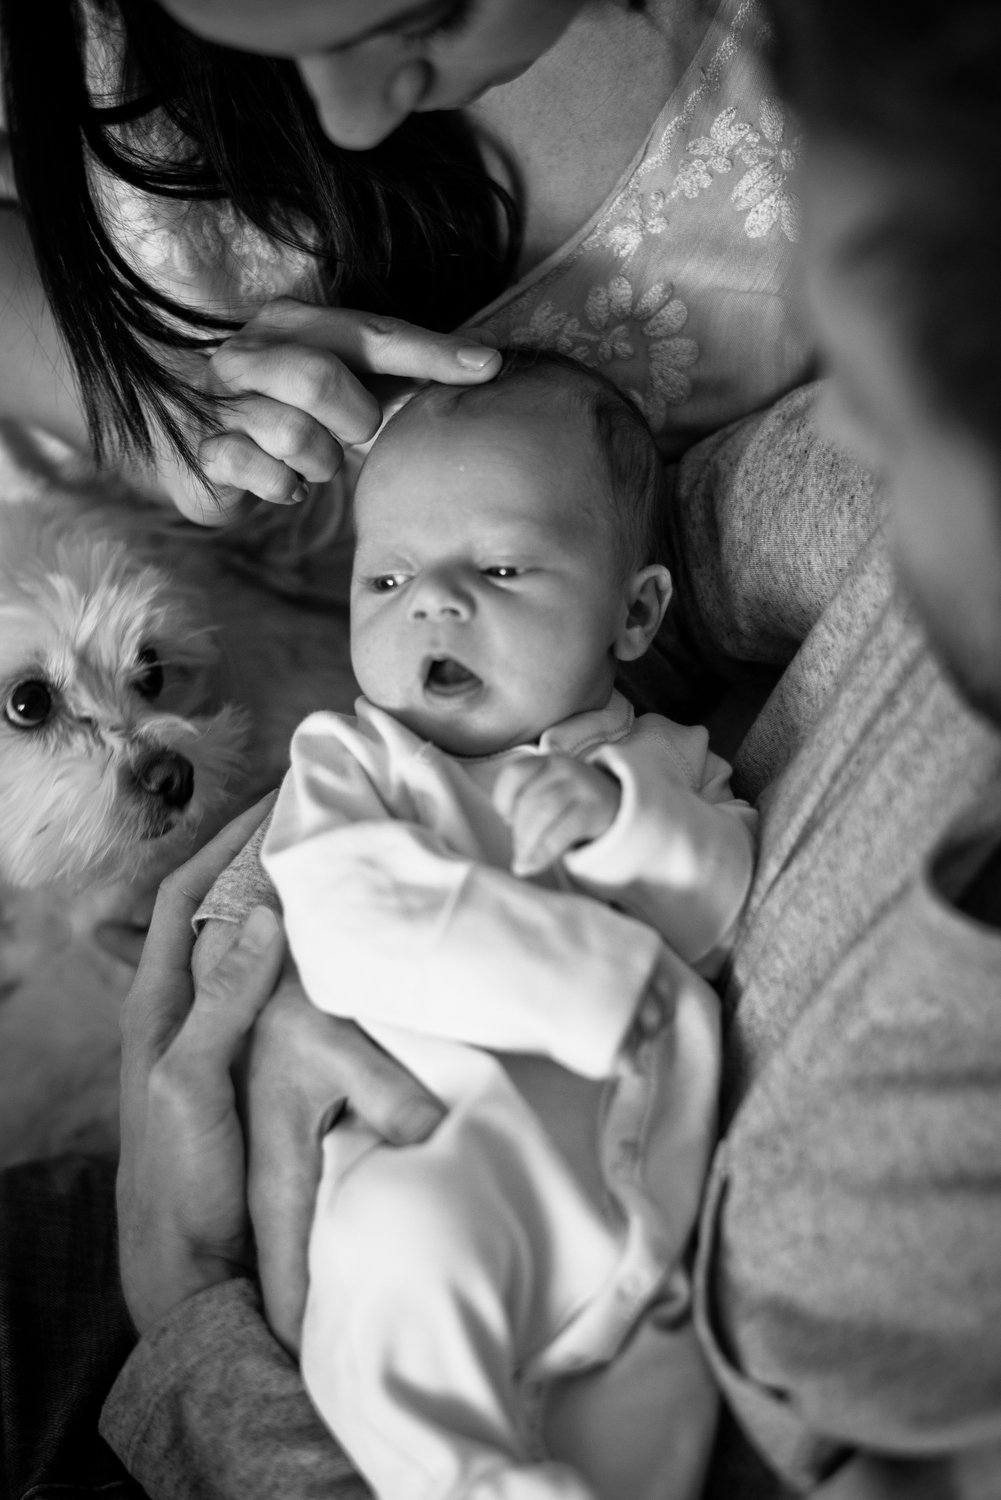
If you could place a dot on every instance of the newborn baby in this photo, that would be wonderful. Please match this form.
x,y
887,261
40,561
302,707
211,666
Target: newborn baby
x,y
515,885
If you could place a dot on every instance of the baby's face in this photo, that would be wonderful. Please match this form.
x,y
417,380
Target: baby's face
x,y
487,596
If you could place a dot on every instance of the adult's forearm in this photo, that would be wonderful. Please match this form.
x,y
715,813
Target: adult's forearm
x,y
210,1405
768,517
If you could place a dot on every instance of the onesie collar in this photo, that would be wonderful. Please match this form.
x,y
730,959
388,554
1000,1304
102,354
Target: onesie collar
x,y
574,736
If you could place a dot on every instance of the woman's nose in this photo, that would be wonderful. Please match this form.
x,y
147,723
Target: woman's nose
x,y
364,92
439,595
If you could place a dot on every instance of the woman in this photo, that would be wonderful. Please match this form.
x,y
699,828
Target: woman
x,y
610,178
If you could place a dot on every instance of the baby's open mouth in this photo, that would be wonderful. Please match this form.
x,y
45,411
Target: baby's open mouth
x,y
447,678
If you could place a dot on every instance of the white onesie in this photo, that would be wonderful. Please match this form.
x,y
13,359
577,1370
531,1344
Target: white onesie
x,y
459,1288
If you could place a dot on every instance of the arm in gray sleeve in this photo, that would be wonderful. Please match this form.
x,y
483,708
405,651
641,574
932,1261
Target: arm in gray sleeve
x,y
210,1407
243,885
848,1288
766,521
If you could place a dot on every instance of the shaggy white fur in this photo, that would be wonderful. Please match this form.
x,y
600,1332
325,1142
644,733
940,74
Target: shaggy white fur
x,y
151,673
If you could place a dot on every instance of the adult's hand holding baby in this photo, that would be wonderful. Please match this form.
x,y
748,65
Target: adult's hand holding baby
x,y
182,1213
306,1069
291,395
553,803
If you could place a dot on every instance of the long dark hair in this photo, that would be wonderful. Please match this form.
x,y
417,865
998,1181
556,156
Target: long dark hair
x,y
414,227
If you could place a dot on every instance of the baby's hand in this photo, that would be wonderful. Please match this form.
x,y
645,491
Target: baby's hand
x,y
553,803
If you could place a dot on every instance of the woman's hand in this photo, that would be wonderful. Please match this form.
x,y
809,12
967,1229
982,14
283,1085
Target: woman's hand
x,y
291,395
181,1184
306,1068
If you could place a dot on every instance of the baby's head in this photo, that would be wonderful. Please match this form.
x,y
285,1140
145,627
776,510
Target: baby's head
x,y
507,537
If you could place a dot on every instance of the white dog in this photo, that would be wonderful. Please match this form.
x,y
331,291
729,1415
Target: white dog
x,y
116,736
151,674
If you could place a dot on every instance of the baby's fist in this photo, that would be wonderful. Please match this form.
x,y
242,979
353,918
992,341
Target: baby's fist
x,y
553,803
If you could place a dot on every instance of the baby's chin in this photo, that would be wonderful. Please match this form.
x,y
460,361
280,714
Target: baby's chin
x,y
461,739
463,734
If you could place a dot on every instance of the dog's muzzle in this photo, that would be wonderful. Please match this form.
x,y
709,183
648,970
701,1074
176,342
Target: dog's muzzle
x,y
167,776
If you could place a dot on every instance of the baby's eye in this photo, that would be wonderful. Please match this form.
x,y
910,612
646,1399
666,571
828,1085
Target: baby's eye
x,y
29,704
384,583
149,678
500,570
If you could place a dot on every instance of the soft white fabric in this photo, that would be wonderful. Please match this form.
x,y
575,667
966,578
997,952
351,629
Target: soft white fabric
x,y
547,1217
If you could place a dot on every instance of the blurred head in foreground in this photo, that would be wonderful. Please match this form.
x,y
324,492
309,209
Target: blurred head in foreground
x,y
903,245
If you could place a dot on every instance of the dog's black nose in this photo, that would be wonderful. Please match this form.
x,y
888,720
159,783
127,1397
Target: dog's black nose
x,y
169,776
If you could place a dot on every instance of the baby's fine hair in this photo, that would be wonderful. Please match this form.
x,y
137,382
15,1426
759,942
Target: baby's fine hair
x,y
637,481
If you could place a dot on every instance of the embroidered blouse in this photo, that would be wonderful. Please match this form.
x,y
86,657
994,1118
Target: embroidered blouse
x,y
680,287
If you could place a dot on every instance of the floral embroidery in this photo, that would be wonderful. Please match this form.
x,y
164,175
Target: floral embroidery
x,y
761,193
226,262
762,190
613,315
639,219
713,152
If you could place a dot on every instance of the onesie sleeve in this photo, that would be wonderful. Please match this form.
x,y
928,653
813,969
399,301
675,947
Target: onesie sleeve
x,y
389,925
680,853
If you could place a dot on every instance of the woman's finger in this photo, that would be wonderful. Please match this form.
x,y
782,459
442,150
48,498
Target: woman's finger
x,y
306,1068
388,346
384,1094
285,432
309,379
282,1180
181,1181
237,465
373,344
317,1063
231,996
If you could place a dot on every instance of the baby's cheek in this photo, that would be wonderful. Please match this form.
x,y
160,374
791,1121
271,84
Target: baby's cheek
x,y
377,662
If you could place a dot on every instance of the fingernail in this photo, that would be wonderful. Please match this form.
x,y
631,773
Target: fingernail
x,y
475,357
261,929
300,492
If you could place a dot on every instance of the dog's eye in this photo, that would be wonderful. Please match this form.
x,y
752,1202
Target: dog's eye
x,y
29,704
149,681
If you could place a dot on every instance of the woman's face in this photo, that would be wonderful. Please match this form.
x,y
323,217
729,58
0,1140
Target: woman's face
x,y
368,64
942,487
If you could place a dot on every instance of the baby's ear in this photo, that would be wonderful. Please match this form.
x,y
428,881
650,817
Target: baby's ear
x,y
648,595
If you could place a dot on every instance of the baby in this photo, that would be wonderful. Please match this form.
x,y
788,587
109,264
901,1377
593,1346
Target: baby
x,y
514,885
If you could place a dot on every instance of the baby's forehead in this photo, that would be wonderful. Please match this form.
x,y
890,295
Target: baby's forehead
x,y
522,402
497,458
512,419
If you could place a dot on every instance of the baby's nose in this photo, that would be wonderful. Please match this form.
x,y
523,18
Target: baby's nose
x,y
440,596
167,775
